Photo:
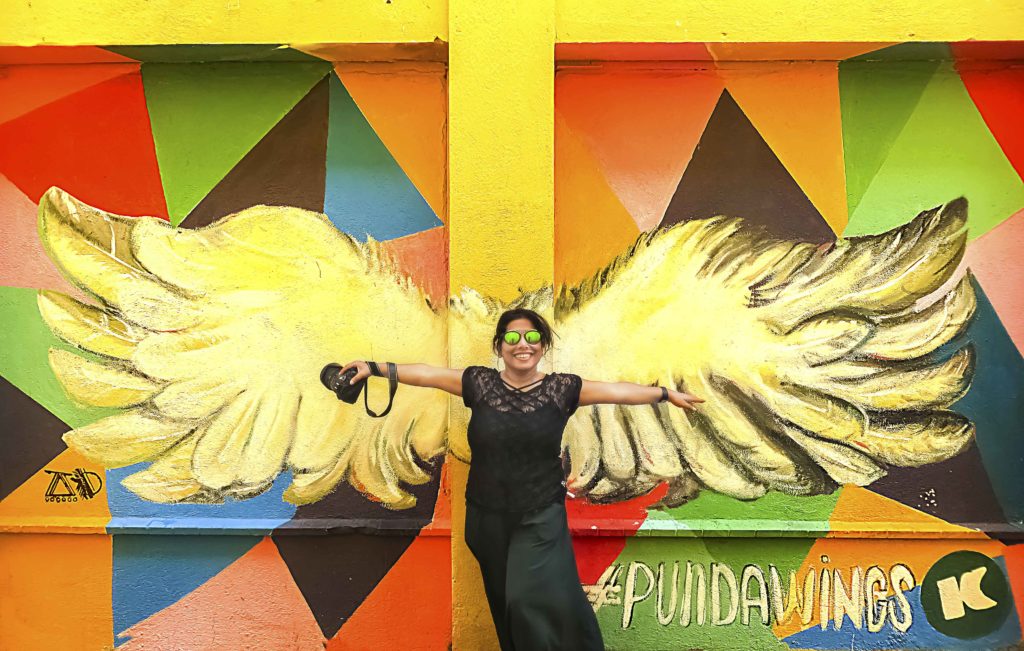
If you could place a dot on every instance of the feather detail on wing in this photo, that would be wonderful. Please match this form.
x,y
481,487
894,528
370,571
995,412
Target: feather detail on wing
x,y
820,364
213,340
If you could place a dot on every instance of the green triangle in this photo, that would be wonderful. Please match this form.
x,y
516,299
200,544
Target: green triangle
x,y
875,100
724,515
928,51
25,341
713,528
210,53
205,117
785,553
944,151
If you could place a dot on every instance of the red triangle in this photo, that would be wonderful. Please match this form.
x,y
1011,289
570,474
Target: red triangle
x,y
1014,557
609,525
998,92
423,257
96,144
49,54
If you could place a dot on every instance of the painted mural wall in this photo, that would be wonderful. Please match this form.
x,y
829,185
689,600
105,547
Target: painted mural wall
x,y
100,496
821,248
819,240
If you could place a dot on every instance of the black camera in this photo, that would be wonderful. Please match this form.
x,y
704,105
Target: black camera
x,y
338,382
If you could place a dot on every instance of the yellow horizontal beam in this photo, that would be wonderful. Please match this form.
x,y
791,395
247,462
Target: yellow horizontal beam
x,y
156,22
668,21
166,22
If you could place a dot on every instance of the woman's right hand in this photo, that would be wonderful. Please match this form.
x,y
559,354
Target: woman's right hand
x,y
363,370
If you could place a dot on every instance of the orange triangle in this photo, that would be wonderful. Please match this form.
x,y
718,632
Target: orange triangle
x,y
419,586
408,111
795,107
844,554
26,88
27,506
861,535
423,257
441,522
641,127
591,225
782,52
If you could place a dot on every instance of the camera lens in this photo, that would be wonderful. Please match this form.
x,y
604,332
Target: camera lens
x,y
329,374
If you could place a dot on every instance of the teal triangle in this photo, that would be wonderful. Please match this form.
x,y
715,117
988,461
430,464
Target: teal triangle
x,y
368,193
25,341
205,117
944,151
875,101
995,404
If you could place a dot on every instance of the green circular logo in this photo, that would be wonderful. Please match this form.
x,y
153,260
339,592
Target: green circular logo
x,y
966,595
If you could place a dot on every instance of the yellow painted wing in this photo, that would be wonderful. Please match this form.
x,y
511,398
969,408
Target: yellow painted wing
x,y
212,341
817,362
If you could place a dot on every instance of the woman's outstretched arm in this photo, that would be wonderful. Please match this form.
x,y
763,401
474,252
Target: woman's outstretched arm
x,y
420,375
628,393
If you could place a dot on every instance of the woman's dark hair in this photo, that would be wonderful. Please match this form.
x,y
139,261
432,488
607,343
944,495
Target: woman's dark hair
x,y
540,323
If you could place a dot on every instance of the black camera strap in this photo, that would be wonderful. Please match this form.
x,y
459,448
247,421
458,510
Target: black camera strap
x,y
392,388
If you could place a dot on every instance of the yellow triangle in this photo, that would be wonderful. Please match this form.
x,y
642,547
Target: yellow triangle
x,y
864,511
30,508
795,108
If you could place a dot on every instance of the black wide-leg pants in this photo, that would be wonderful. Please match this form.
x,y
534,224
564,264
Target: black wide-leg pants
x,y
531,581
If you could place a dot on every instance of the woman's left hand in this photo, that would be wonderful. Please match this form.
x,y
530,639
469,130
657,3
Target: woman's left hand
x,y
684,400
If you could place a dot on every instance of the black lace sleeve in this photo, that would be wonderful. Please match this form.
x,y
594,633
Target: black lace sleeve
x,y
566,388
470,385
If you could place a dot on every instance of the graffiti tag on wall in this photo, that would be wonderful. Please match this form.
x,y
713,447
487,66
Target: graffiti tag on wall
x,y
965,594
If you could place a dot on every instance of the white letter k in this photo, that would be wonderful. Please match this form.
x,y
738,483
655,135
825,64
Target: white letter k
x,y
955,595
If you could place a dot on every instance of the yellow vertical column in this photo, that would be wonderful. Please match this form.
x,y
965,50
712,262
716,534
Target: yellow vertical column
x,y
501,198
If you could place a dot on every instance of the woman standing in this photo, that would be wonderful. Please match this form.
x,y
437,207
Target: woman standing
x,y
516,523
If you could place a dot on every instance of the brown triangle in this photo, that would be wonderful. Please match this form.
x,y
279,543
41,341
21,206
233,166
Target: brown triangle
x,y
30,438
287,167
735,173
336,573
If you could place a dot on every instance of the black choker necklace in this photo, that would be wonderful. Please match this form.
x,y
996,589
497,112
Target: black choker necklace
x,y
523,387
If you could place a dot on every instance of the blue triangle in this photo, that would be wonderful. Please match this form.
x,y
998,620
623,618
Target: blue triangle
x,y
367,192
157,562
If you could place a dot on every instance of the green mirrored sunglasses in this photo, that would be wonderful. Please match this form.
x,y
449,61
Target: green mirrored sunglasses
x,y
512,337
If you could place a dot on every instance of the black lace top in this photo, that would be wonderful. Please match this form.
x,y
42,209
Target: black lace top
x,y
516,438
